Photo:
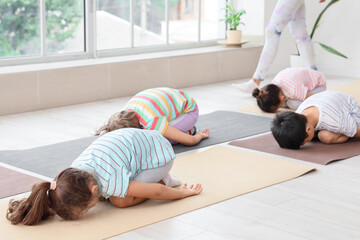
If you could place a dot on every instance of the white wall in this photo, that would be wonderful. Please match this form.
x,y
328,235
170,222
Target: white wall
x,y
254,17
339,29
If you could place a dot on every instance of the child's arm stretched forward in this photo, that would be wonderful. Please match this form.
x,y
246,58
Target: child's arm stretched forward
x,y
184,138
139,192
329,137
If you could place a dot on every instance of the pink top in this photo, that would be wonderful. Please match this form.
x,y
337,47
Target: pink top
x,y
295,83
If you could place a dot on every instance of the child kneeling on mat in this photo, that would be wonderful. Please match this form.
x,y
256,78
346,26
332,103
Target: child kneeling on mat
x,y
289,88
169,111
126,166
333,116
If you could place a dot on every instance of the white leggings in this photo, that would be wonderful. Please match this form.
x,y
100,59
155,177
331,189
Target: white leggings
x,y
292,13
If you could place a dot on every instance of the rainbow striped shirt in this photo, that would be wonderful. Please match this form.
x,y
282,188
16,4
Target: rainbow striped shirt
x,y
118,156
338,112
156,107
295,83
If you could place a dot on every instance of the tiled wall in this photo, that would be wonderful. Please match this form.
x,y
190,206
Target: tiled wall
x,y
35,90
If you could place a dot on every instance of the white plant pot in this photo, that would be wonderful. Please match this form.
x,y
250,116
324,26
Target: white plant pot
x,y
296,61
234,36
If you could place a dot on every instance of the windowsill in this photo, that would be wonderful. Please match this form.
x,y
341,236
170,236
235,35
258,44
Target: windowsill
x,y
125,58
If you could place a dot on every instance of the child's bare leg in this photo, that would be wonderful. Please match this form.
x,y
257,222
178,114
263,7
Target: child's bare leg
x,y
329,137
357,134
126,201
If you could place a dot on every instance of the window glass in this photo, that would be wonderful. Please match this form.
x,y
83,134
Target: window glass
x,y
19,28
113,24
211,12
20,25
64,26
183,21
149,22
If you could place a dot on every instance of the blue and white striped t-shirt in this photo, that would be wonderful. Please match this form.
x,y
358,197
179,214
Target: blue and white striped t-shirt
x,y
118,156
338,112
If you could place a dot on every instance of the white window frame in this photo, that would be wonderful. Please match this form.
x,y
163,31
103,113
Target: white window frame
x,y
90,51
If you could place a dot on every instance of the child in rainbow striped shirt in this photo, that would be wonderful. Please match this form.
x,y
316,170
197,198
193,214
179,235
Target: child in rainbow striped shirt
x,y
170,111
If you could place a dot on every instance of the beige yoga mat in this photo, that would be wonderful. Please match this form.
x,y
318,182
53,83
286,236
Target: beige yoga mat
x,y
256,110
352,89
224,172
313,151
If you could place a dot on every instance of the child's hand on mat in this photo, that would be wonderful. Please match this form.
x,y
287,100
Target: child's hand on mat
x,y
191,189
203,134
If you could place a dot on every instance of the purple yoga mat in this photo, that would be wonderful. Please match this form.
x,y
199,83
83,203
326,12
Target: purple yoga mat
x,y
13,182
314,151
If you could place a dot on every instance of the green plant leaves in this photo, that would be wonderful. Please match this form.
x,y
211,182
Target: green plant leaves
x,y
317,22
331,50
233,17
316,25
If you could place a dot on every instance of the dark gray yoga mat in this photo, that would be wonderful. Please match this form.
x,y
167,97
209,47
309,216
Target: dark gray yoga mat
x,y
47,160
51,159
225,126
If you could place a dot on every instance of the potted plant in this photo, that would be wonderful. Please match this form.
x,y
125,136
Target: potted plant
x,y
295,58
233,19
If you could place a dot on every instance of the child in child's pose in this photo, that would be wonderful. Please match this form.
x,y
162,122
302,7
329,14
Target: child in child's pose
x,y
286,12
289,88
170,111
126,166
332,115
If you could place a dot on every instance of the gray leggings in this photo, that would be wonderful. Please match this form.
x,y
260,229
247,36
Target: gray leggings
x,y
154,175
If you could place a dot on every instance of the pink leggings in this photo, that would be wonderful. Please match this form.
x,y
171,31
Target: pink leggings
x,y
185,122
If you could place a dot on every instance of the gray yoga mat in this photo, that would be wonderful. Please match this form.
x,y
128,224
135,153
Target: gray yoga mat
x,y
225,126
49,160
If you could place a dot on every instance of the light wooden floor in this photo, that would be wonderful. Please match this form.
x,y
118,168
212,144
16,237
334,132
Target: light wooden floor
x,y
322,205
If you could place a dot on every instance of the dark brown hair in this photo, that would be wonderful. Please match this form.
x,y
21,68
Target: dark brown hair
x,y
267,98
71,196
123,119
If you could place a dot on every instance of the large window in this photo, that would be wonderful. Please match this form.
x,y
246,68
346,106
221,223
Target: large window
x,y
20,28
38,30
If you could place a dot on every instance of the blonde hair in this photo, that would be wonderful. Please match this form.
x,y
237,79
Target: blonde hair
x,y
123,119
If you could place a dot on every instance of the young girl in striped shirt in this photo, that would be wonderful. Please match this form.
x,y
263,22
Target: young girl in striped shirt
x,y
333,116
170,111
289,88
126,166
